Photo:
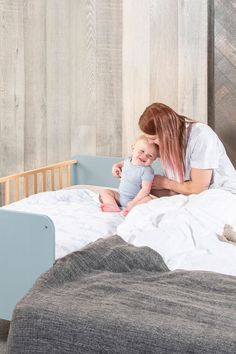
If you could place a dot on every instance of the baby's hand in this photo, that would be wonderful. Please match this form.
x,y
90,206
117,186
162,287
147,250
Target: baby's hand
x,y
127,209
116,171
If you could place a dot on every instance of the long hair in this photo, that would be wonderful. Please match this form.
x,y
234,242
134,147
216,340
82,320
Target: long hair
x,y
171,129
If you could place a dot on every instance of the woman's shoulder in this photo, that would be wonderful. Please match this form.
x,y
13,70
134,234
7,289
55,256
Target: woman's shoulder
x,y
202,131
201,127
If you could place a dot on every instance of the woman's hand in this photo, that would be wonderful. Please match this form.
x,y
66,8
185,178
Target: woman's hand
x,y
117,169
160,182
160,187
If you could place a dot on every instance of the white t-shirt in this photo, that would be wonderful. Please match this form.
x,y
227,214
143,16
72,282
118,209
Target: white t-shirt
x,y
206,151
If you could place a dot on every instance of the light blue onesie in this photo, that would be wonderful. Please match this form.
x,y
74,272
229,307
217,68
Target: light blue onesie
x,y
131,180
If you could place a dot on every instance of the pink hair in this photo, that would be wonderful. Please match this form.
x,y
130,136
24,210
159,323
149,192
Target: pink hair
x,y
170,127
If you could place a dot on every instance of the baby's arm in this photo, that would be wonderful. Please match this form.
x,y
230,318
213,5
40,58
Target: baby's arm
x,y
117,169
142,196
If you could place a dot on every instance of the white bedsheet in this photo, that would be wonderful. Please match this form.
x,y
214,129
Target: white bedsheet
x,y
76,217
185,230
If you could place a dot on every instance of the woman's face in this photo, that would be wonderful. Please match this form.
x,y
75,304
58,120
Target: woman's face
x,y
152,139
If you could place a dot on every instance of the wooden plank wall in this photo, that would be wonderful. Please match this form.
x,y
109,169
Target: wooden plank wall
x,y
76,74
224,121
164,59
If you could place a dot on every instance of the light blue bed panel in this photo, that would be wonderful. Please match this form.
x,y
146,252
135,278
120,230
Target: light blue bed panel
x,y
27,250
96,170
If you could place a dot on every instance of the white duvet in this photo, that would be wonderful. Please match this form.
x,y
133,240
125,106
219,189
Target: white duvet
x,y
184,230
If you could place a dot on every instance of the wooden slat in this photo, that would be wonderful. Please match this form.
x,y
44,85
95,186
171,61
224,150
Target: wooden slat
x,y
7,192
68,176
59,177
16,196
52,179
26,185
35,183
44,181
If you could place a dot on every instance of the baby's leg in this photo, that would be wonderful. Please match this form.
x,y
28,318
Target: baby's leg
x,y
109,200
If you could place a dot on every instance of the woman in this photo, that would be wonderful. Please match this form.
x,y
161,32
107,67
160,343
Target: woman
x,y
193,157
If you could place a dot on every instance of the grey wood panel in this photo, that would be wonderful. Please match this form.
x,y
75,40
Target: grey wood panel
x,y
164,52
77,74
164,59
58,80
192,39
35,126
225,75
136,68
109,77
12,107
83,77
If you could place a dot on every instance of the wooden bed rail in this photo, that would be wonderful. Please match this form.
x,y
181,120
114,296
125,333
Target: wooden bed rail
x,y
11,184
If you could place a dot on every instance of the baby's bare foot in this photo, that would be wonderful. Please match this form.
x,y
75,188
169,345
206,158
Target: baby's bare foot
x,y
109,207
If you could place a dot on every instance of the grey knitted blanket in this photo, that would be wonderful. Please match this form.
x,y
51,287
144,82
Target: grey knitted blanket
x,y
112,297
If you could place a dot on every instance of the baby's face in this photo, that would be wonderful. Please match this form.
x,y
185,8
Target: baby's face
x,y
143,153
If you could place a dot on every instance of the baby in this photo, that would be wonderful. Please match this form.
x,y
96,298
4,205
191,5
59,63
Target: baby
x,y
136,179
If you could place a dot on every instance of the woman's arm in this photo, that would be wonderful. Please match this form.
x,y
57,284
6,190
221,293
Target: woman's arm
x,y
117,169
199,182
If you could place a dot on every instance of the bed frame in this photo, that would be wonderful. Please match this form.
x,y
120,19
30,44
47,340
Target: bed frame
x,y
27,241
